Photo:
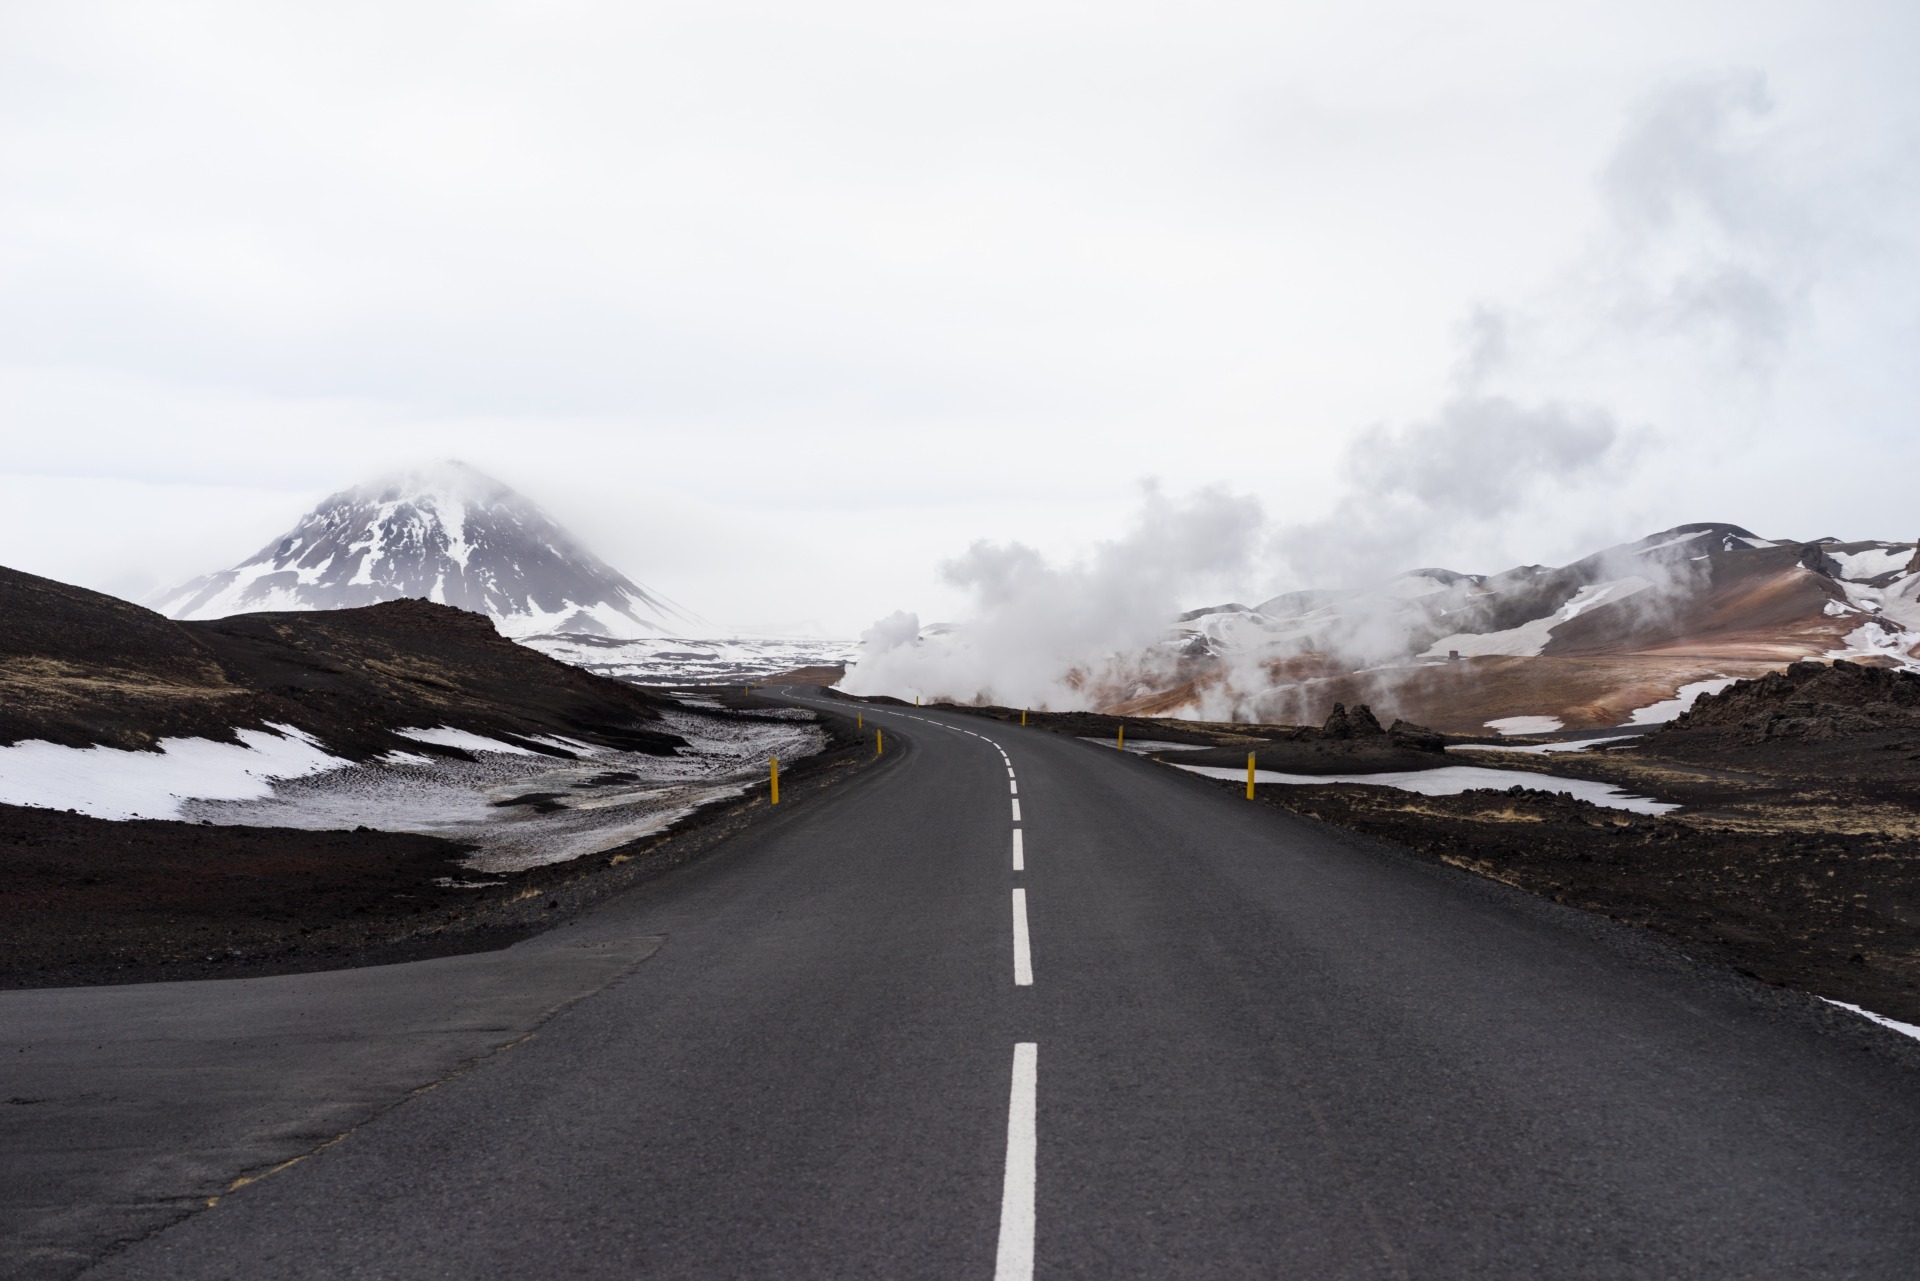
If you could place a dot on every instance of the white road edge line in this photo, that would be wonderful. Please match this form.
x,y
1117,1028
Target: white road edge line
x,y
1016,809
1019,853
1022,949
1015,1259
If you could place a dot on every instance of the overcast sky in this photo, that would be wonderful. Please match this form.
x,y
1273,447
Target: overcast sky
x,y
782,306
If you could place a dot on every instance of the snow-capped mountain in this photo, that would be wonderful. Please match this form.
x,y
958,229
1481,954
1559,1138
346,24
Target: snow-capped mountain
x,y
1708,585
449,534
1615,638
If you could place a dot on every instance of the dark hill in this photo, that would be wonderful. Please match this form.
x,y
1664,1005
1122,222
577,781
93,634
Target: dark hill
x,y
1808,702
81,668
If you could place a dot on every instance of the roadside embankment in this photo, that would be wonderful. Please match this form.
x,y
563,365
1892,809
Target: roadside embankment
x,y
86,900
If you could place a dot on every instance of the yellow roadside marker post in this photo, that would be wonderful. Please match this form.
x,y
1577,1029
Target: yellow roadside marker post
x,y
859,720
775,763
1122,744
916,700
1023,718
879,744
1249,775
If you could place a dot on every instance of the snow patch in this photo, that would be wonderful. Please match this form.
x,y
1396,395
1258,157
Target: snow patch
x,y
1905,1029
1670,708
1140,747
517,809
106,782
447,736
1673,542
1873,563
1528,639
1877,639
674,660
1508,725
1451,780
1540,749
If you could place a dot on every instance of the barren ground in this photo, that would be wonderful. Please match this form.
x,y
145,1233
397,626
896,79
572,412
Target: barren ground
x,y
86,900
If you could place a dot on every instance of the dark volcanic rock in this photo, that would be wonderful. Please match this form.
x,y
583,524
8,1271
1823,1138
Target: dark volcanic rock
x,y
1813,556
1417,737
80,668
1808,702
1351,742
1359,723
101,895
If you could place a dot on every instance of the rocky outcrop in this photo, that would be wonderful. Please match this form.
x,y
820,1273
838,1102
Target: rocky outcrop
x,y
1417,738
1809,702
1359,723
1813,556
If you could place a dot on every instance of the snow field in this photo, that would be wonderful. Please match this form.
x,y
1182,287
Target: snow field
x,y
1525,725
106,782
1670,708
1528,639
515,807
1450,780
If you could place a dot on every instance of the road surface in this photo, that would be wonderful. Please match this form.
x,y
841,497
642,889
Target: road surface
x,y
1185,1036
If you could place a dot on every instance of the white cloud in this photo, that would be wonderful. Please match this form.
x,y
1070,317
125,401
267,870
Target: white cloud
x,y
783,305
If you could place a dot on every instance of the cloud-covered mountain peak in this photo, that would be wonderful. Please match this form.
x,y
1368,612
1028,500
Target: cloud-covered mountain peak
x,y
448,533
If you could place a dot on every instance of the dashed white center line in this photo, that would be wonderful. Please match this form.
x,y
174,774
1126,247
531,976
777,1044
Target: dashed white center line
x,y
1019,853
1015,1259
1013,787
1016,809
1022,948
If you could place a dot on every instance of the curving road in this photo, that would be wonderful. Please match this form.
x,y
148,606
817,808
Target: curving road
x,y
1187,1037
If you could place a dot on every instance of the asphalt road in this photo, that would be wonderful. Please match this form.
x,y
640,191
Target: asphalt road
x,y
130,1106
1249,1047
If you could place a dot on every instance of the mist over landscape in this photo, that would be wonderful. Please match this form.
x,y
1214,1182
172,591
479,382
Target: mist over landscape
x,y
750,640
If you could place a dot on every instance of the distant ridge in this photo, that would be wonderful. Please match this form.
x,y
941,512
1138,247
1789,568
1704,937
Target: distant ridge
x,y
1628,635
449,534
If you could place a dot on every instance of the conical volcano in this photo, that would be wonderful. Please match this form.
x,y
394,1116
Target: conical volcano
x,y
448,533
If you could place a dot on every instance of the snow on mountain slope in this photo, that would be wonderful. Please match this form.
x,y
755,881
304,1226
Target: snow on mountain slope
x,y
1530,638
449,534
1610,639
1711,584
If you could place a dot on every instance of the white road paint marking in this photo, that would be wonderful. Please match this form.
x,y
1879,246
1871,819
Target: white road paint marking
x,y
1013,786
1019,853
1009,771
1022,948
1015,1259
1016,809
